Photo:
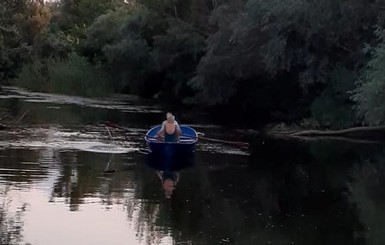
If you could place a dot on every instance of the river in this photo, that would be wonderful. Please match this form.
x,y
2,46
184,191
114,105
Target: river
x,y
65,178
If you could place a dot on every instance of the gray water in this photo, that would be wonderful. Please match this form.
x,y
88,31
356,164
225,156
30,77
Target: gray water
x,y
55,189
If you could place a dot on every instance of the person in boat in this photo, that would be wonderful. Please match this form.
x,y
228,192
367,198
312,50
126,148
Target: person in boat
x,y
170,130
169,181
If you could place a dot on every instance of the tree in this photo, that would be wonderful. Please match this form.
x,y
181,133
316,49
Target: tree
x,y
149,51
176,55
73,17
264,47
22,22
370,87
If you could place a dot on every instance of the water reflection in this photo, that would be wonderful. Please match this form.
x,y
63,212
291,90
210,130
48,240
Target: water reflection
x,y
168,168
282,192
11,225
367,192
169,180
40,108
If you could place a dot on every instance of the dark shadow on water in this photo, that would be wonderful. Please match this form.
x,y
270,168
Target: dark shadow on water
x,y
174,162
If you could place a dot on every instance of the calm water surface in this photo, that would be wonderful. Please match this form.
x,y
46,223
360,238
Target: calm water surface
x,y
54,189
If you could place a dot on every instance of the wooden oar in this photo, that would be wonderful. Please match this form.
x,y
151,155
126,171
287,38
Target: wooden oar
x,y
114,125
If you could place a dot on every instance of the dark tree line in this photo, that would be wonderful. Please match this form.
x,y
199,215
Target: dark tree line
x,y
309,62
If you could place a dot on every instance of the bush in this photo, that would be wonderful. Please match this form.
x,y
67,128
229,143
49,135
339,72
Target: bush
x,y
369,91
73,76
34,76
333,108
76,76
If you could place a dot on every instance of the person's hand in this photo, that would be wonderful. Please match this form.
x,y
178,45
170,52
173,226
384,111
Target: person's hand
x,y
159,137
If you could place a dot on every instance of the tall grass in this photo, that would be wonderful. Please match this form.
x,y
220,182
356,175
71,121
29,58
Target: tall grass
x,y
34,76
73,76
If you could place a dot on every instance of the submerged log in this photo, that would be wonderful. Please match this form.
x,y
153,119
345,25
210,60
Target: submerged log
x,y
373,133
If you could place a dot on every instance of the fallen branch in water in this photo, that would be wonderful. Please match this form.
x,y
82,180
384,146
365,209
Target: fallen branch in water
x,y
377,132
2,126
22,116
340,132
3,117
333,138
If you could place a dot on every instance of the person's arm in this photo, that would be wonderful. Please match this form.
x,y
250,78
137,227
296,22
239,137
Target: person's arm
x,y
161,131
178,127
179,131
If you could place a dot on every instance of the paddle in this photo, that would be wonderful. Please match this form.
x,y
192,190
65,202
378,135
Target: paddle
x,y
114,125
238,143
139,131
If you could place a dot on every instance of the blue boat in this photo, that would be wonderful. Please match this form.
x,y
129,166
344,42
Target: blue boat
x,y
185,147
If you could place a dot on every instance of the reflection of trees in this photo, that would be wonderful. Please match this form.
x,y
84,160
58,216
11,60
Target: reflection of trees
x,y
66,112
368,193
12,106
282,193
11,226
288,192
44,113
144,209
21,166
81,176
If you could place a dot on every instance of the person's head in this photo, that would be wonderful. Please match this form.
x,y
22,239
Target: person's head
x,y
170,117
168,114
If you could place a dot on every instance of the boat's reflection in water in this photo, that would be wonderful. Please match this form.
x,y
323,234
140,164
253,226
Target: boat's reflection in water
x,y
168,169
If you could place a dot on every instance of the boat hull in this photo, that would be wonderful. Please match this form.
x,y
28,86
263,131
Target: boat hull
x,y
185,147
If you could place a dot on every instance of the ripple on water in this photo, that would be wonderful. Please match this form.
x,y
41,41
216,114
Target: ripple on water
x,y
61,140
108,103
222,149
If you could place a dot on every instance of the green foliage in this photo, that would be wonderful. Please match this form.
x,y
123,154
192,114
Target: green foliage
x,y
53,45
147,52
217,72
309,37
77,76
176,55
74,17
333,108
180,9
74,76
22,24
106,30
257,43
145,23
13,51
34,76
280,59
35,22
369,91
83,12
125,53
131,59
